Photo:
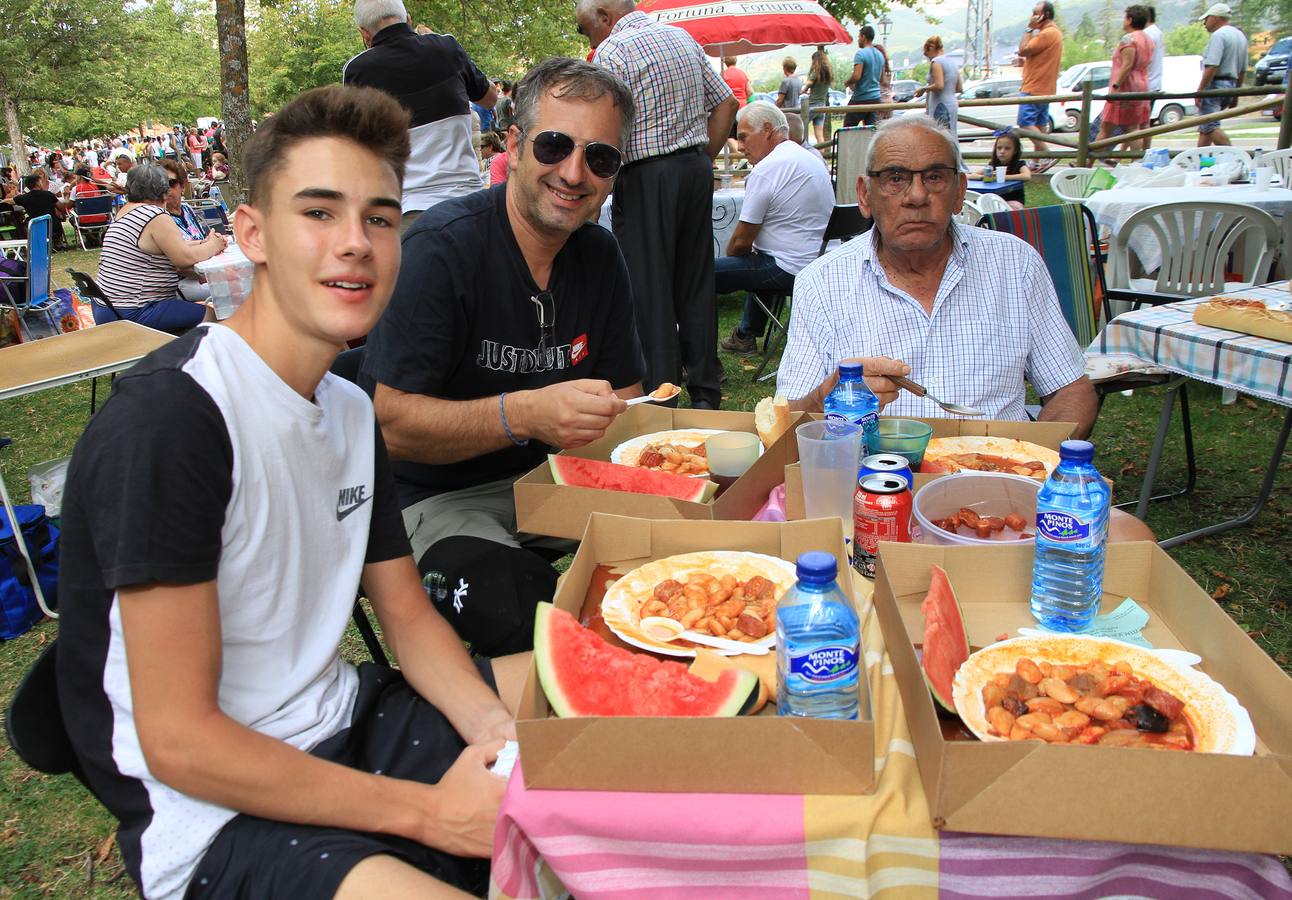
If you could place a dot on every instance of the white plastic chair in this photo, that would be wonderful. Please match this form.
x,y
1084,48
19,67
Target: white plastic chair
x,y
1281,162
1070,184
1196,240
1191,160
969,215
992,203
973,197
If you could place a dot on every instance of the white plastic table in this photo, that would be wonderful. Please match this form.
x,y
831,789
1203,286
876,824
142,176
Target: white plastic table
x,y
63,359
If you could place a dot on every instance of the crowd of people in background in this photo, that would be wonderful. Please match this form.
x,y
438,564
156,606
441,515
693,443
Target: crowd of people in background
x,y
61,174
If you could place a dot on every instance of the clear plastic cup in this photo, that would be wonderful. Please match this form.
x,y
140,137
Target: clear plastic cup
x,y
908,437
828,458
1002,174
1263,176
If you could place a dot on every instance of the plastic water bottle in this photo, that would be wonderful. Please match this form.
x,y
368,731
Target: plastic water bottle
x,y
818,643
1071,530
852,401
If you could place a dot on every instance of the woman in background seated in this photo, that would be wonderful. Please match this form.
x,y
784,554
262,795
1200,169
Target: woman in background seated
x,y
144,252
219,169
189,222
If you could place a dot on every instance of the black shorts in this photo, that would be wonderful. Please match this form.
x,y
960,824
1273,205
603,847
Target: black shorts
x,y
393,732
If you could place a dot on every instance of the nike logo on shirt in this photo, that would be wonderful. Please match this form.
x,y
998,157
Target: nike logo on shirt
x,y
348,500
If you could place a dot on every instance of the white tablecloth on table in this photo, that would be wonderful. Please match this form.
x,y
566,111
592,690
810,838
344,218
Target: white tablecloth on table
x,y
726,212
1112,208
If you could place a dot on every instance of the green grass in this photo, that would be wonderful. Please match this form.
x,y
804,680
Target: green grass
x,y
53,834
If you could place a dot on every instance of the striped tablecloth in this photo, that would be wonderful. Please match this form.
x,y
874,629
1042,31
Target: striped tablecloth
x,y
603,845
1167,336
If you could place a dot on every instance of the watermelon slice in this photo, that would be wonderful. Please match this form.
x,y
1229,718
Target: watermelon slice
x,y
582,675
946,645
608,476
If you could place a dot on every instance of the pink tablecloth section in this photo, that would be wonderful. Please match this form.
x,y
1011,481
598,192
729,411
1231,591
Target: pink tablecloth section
x,y
607,845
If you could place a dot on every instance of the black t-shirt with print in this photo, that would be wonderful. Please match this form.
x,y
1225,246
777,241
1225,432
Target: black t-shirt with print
x,y
38,203
463,323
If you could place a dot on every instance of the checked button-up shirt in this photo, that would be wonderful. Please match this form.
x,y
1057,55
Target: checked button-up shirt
x,y
996,322
671,80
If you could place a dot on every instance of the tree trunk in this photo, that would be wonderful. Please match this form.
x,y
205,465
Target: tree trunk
x,y
16,139
231,29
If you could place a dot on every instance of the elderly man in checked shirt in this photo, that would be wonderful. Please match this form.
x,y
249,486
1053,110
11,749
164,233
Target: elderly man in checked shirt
x,y
663,201
968,313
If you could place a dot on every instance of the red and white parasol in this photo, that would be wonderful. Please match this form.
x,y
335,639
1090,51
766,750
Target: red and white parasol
x,y
737,27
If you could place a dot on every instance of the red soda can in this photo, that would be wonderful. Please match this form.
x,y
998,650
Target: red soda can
x,y
881,511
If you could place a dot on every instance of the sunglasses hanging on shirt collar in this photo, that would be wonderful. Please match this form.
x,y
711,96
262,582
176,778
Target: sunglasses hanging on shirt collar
x,y
545,305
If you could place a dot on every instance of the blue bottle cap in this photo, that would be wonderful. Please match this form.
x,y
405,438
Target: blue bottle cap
x,y
1077,451
817,566
850,370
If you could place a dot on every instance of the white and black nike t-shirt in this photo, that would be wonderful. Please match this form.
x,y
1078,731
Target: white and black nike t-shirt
x,y
205,465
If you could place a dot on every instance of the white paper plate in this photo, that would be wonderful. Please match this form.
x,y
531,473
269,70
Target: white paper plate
x,y
1221,724
626,453
620,607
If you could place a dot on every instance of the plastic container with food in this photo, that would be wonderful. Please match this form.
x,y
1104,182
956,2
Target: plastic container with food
x,y
988,494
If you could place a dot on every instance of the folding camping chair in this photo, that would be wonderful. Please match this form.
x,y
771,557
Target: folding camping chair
x,y
851,148
212,212
91,215
846,222
1068,240
37,296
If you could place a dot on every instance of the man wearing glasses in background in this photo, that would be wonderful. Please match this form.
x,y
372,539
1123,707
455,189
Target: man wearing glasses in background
x,y
510,330
968,313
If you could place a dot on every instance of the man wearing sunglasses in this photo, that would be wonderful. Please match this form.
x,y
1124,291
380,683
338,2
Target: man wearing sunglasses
x,y
510,330
663,203
971,314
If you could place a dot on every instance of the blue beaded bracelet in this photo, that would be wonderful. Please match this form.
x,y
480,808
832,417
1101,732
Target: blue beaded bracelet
x,y
507,428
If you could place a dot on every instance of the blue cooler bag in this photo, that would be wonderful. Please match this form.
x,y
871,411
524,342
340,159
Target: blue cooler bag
x,y
18,608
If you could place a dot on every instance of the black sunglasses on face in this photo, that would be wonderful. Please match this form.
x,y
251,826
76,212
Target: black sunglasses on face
x,y
552,147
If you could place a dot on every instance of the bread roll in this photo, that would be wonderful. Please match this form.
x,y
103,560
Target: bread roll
x,y
1245,316
771,418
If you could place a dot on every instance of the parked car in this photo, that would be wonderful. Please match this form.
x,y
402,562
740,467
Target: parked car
x,y
1179,75
837,98
1273,66
1003,116
904,90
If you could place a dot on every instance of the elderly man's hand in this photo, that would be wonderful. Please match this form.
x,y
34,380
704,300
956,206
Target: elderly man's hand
x,y
876,368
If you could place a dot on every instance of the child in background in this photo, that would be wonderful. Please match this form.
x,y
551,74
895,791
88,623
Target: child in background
x,y
1007,151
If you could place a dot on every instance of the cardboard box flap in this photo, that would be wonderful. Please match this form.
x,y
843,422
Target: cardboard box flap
x,y
1161,801
1188,799
625,755
747,754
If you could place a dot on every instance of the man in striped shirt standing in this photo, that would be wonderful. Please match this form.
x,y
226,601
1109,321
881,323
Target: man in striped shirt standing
x,y
663,200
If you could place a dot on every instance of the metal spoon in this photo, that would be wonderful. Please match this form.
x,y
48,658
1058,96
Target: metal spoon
x,y
920,390
662,628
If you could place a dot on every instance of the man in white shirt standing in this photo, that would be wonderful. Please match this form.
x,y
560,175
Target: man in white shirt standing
x,y
1155,64
1159,50
970,314
788,201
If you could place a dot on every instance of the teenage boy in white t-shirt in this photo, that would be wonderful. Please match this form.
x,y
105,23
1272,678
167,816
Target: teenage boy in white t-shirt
x,y
787,205
228,501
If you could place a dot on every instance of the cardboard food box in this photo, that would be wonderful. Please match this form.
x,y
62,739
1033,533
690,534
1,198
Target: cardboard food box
x,y
1046,434
1094,793
545,507
762,754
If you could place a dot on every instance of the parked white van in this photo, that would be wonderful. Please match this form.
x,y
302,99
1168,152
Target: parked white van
x,y
1180,74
